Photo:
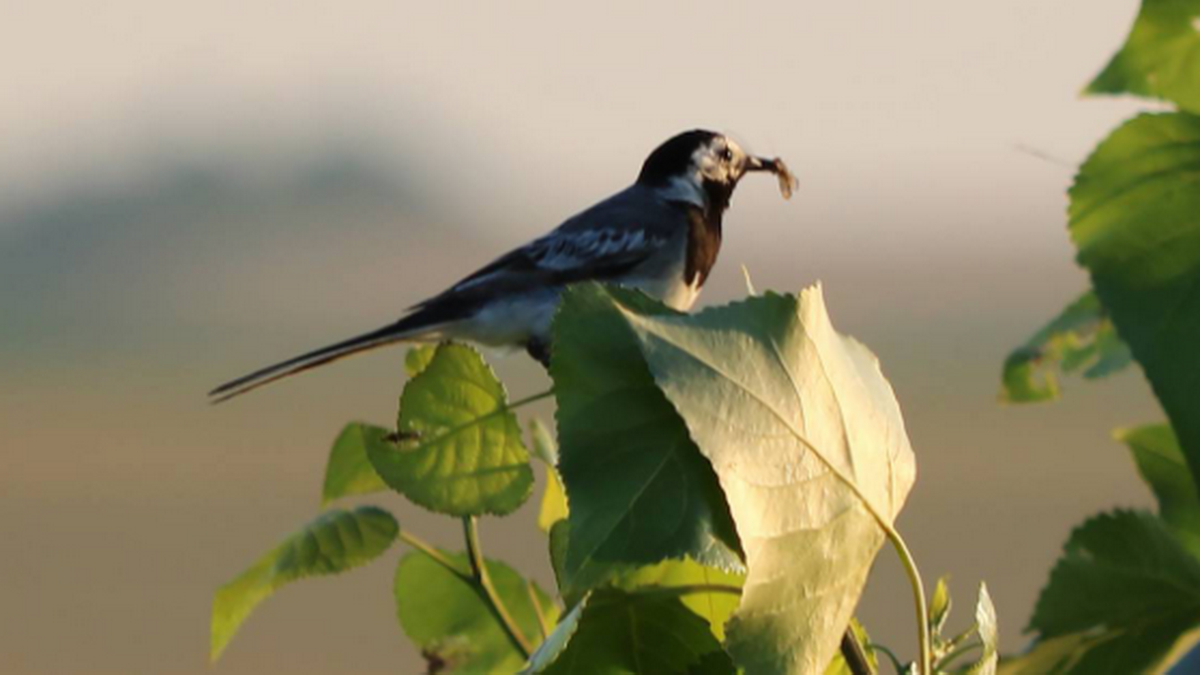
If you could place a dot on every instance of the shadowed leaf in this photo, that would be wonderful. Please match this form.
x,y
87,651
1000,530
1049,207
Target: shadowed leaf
x,y
1081,338
638,490
1124,598
449,621
335,542
1135,218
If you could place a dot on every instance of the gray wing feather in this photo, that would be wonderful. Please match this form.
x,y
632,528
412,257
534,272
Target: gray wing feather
x,y
602,242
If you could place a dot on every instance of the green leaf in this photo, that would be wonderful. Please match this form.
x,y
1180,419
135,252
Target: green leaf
x,y
1161,57
459,450
639,491
450,622
418,358
1135,218
1081,337
806,437
618,633
334,542
716,607
1124,598
349,472
1161,464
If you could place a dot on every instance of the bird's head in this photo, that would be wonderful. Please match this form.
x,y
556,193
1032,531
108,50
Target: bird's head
x,y
703,168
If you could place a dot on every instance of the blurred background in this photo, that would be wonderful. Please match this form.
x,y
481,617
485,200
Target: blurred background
x,y
189,191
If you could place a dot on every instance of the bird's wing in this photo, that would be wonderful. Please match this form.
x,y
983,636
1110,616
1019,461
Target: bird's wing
x,y
601,243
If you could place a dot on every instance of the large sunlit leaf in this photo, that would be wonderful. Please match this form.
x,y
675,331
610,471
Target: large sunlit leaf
x,y
335,542
1124,598
1161,57
349,472
639,491
1160,462
807,440
1080,338
1135,218
617,633
459,449
449,621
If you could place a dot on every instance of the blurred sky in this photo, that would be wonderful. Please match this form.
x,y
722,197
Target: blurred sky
x,y
188,191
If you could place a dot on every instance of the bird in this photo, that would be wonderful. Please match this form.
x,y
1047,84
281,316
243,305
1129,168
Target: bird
x,y
660,235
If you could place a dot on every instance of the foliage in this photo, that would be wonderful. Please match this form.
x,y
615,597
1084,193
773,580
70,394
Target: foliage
x,y
334,542
828,472
651,572
1125,595
442,613
1161,57
1081,338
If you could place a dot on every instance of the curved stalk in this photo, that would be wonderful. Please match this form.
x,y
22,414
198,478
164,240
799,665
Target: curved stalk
x,y
483,581
918,588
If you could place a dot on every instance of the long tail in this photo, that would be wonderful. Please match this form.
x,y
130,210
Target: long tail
x,y
410,328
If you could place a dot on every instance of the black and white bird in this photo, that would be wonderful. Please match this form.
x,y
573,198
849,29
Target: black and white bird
x,y
660,235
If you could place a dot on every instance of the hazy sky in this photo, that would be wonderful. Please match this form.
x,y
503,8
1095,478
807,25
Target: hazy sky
x,y
189,190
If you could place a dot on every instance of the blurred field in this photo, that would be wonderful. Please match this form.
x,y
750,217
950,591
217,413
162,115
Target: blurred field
x,y
186,196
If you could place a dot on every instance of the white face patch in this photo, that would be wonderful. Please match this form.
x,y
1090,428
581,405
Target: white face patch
x,y
720,161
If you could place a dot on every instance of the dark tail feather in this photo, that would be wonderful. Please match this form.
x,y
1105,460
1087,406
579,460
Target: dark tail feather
x,y
405,329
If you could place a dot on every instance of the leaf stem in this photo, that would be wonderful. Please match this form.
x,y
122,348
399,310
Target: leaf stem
x,y
434,554
888,653
924,640
483,581
530,399
543,625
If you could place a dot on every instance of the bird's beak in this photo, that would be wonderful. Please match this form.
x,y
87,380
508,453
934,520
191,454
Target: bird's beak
x,y
760,164
787,182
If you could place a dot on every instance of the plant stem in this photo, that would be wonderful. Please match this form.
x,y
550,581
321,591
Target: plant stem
x,y
543,625
914,578
483,582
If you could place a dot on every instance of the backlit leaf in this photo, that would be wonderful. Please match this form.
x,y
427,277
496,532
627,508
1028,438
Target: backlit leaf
x,y
459,449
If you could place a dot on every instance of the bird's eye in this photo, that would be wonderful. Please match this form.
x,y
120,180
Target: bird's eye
x,y
726,154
